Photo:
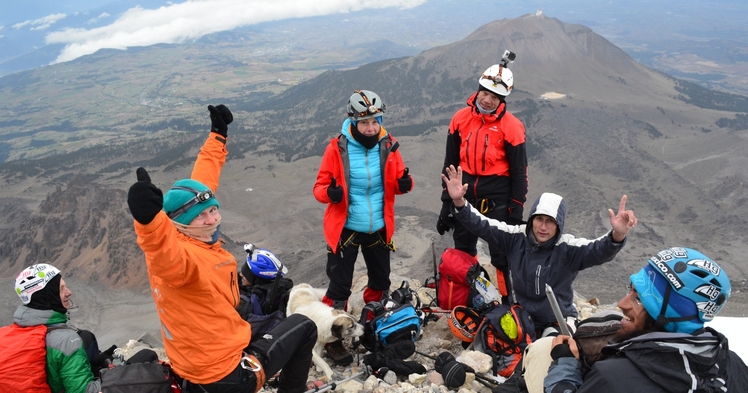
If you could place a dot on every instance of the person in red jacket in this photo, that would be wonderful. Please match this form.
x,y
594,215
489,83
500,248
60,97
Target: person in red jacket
x,y
488,143
360,173
195,286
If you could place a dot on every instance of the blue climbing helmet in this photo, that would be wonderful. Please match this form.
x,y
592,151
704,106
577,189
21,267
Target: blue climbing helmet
x,y
262,264
681,288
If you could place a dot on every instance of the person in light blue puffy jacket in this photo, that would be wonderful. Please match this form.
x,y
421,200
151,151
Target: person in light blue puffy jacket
x,y
360,174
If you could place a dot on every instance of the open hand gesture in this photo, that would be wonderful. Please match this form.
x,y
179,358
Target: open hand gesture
x,y
455,187
621,222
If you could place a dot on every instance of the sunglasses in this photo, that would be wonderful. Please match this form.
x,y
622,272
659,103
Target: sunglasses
x,y
200,197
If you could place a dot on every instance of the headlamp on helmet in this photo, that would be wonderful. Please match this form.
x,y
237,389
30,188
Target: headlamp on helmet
x,y
364,104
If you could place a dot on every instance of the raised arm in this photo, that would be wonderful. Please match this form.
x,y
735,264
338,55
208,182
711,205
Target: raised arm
x,y
621,222
454,186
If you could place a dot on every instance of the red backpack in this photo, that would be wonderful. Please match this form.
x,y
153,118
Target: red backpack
x,y
458,271
23,359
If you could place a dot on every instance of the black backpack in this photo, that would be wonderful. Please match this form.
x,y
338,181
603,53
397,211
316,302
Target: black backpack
x,y
139,378
505,347
263,304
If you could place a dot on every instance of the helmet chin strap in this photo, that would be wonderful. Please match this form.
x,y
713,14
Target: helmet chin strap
x,y
662,320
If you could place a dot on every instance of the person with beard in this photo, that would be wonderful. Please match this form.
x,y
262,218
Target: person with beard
x,y
360,174
539,253
488,142
195,286
46,300
662,345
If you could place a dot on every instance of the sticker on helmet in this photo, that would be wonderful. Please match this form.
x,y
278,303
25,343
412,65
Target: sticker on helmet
x,y
705,264
667,272
708,308
708,291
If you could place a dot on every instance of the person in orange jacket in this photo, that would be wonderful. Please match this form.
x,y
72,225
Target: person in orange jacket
x,y
195,286
360,173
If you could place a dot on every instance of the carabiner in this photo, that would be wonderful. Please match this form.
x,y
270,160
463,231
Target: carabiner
x,y
250,364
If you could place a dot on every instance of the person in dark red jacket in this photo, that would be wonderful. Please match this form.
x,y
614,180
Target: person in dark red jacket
x,y
488,143
360,174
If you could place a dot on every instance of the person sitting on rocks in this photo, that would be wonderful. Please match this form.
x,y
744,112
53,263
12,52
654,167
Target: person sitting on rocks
x,y
662,345
46,300
539,253
195,287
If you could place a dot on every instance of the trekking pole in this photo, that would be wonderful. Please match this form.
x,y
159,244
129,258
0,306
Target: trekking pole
x,y
334,384
436,272
485,381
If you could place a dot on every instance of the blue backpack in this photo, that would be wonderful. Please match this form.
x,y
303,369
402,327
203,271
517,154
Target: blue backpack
x,y
390,321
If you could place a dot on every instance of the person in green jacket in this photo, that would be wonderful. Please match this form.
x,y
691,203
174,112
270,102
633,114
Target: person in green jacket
x,y
46,300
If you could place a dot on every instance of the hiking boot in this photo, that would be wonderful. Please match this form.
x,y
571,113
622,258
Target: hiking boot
x,y
338,353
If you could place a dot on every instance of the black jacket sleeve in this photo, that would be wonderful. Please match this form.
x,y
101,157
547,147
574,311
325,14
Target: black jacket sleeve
x,y
452,157
516,156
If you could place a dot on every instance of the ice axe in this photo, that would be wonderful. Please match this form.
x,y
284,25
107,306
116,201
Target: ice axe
x,y
334,384
557,310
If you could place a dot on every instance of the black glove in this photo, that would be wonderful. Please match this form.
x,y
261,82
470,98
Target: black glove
x,y
102,361
144,199
220,117
335,192
561,351
446,221
515,214
451,370
405,183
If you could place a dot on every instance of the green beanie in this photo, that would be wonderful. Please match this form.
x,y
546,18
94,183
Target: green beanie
x,y
174,199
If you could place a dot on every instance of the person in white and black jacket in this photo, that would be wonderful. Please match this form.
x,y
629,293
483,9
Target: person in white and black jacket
x,y
539,253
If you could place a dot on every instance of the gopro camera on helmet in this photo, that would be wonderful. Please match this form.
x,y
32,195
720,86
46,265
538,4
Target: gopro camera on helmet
x,y
250,249
508,57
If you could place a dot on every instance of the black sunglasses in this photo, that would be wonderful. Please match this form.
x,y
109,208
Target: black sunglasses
x,y
200,196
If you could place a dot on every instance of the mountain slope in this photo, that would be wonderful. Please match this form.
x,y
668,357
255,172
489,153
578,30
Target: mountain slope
x,y
621,128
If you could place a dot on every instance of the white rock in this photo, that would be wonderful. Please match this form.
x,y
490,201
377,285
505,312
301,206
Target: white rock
x,y
350,386
416,379
371,383
406,387
480,362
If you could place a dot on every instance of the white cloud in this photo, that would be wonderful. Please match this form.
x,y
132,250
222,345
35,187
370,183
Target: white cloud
x,y
41,23
193,19
96,19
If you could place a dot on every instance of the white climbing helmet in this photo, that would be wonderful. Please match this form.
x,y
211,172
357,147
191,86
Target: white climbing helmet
x,y
33,279
498,78
364,104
